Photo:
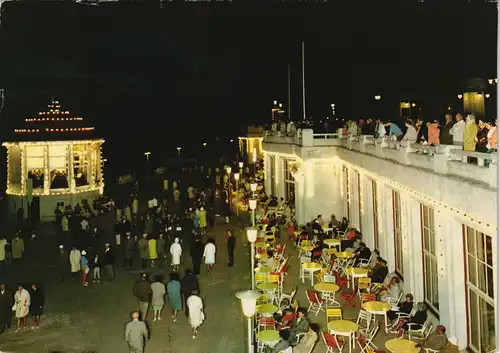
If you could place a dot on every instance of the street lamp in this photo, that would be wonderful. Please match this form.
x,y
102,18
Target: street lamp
x,y
413,105
237,178
378,97
252,237
248,300
240,164
147,156
487,95
252,203
459,96
253,187
204,144
179,150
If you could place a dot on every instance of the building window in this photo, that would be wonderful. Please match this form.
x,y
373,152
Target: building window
x,y
345,172
35,165
58,166
480,290
289,182
398,239
80,165
375,213
272,162
429,258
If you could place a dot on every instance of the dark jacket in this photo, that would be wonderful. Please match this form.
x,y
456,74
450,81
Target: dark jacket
x,y
419,318
197,250
142,290
446,138
6,302
422,134
108,258
482,140
406,307
379,274
364,253
231,243
37,298
189,283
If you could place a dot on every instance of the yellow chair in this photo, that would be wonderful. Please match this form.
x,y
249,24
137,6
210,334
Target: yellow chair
x,y
364,284
333,314
319,275
305,243
274,278
260,278
332,251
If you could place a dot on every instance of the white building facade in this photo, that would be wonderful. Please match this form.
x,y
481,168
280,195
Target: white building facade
x,y
432,217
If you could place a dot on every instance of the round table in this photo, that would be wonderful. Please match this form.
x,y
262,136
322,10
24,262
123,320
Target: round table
x,y
345,255
266,309
378,308
327,291
310,267
400,345
261,245
268,337
356,272
331,242
263,269
343,328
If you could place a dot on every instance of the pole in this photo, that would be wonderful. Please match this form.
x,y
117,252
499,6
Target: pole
x,y
237,196
250,336
289,94
303,80
252,261
253,218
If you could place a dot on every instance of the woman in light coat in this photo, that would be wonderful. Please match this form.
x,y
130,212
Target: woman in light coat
x,y
203,219
75,258
153,252
176,252
209,254
196,315
411,132
22,301
470,133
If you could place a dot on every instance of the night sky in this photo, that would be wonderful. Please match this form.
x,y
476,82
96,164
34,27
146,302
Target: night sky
x,y
152,78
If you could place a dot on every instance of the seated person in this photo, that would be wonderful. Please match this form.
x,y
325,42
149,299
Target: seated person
x,y
378,275
406,307
316,226
373,264
333,222
436,341
280,346
419,319
452,346
362,253
271,262
394,290
273,202
299,325
307,341
317,250
285,309
350,234
320,220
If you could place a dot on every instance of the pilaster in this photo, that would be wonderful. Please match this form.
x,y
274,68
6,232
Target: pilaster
x,y
367,211
71,171
387,250
412,246
46,170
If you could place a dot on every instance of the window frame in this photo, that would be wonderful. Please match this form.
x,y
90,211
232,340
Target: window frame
x,y
289,180
398,237
345,171
471,287
375,214
428,257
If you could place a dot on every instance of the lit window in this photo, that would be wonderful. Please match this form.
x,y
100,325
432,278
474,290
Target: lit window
x,y
398,238
480,290
431,292
289,182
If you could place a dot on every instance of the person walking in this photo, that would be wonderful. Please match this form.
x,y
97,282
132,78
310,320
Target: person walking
x,y
188,284
85,268
157,299
176,252
196,315
209,254
174,294
136,334
96,268
6,302
22,301
152,251
129,250
108,261
231,245
197,249
160,248
63,263
37,303
143,246
17,247
203,220
142,291
75,258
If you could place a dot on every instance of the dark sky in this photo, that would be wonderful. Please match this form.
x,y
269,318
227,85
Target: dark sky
x,y
160,77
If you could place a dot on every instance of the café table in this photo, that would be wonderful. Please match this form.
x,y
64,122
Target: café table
x,y
261,245
268,309
268,337
327,291
344,328
310,267
400,345
356,272
332,242
378,308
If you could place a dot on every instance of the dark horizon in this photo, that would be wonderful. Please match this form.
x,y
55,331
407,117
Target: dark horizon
x,y
151,78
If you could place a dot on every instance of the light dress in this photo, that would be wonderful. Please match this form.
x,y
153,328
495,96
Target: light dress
x,y
209,254
22,301
196,315
176,252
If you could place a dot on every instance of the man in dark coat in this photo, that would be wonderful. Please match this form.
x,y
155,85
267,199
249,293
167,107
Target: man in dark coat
x,y
231,245
63,263
422,134
129,250
446,138
188,283
108,260
6,302
197,249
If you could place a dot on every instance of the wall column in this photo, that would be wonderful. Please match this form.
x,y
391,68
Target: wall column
x,y
24,168
387,250
267,173
90,169
46,170
367,211
71,177
412,247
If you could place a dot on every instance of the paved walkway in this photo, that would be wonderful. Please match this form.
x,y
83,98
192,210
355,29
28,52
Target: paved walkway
x,y
92,319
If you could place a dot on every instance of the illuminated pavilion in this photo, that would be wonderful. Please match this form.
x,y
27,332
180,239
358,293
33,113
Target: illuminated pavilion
x,y
55,157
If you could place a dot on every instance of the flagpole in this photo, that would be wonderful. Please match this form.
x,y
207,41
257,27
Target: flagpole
x,y
289,99
303,80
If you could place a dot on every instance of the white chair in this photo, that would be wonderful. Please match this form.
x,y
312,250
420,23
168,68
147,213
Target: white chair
x,y
366,317
370,335
421,333
288,296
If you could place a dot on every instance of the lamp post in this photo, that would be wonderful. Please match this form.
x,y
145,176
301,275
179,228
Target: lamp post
x,y
252,203
249,305
179,149
237,178
147,157
252,237
228,171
